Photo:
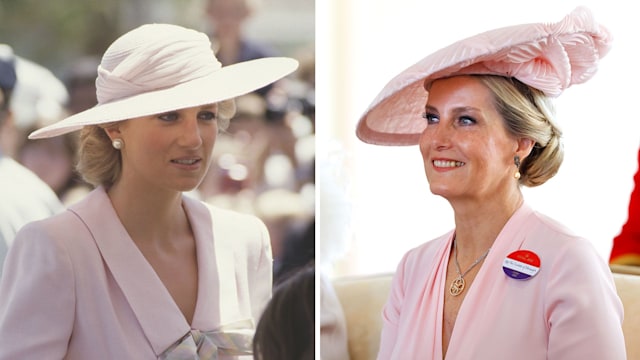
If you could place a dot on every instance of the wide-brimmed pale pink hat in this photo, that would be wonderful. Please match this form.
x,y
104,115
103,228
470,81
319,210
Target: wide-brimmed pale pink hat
x,y
548,57
157,68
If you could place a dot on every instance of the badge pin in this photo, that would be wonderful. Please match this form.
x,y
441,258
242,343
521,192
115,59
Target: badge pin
x,y
521,265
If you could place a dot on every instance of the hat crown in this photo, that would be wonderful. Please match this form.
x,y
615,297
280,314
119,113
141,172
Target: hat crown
x,y
153,57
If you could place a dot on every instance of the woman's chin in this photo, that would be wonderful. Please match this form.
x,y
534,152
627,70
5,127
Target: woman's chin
x,y
444,191
185,186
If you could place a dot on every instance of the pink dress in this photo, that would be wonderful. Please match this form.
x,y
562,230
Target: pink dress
x,y
76,287
569,310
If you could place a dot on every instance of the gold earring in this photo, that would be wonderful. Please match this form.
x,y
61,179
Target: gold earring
x,y
516,160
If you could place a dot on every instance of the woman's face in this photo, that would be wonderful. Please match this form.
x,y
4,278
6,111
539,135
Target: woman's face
x,y
466,149
170,150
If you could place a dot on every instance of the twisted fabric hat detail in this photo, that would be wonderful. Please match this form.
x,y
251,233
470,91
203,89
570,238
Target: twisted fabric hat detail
x,y
548,57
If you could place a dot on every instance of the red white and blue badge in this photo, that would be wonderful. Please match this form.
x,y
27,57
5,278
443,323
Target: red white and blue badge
x,y
521,265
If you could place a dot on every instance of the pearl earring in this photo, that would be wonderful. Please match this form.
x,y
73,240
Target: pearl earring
x,y
516,160
117,144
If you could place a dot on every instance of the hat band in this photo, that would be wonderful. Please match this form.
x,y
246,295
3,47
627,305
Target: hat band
x,y
151,68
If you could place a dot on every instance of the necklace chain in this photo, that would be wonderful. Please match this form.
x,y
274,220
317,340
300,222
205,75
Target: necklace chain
x,y
458,284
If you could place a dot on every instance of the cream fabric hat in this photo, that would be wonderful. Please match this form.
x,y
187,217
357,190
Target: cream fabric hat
x,y
548,57
157,68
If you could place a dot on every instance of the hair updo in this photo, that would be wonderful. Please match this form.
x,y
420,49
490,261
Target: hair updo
x,y
529,113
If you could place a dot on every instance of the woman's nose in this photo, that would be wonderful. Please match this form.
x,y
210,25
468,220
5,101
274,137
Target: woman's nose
x,y
436,136
191,136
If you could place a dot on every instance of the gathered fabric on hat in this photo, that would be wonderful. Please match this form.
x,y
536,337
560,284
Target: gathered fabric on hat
x,y
560,55
162,60
550,57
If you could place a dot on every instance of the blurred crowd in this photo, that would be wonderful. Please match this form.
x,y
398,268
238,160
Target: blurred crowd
x,y
263,164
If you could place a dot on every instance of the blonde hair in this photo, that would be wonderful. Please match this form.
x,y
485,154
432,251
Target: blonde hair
x,y
529,113
100,164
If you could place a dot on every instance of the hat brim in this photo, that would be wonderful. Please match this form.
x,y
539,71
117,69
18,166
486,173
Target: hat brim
x,y
549,57
225,84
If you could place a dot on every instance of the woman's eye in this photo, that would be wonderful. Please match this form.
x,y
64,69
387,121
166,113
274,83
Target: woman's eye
x,y
172,116
465,120
431,118
207,115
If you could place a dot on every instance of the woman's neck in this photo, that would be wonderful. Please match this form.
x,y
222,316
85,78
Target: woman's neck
x,y
478,223
148,215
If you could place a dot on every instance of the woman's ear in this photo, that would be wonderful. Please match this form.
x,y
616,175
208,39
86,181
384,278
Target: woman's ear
x,y
113,131
525,145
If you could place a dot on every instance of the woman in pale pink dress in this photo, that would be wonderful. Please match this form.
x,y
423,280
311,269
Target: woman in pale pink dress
x,y
138,269
507,282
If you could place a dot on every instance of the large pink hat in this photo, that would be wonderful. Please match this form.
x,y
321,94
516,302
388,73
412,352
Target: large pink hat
x,y
157,68
548,57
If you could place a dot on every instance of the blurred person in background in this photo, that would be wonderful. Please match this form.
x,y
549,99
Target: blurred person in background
x,y
298,249
228,19
286,329
54,160
80,81
137,263
23,196
43,100
38,97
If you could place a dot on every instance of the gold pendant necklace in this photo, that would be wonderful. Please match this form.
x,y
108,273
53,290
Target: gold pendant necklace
x,y
458,284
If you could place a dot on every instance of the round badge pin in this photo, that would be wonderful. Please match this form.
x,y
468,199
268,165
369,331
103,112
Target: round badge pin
x,y
521,265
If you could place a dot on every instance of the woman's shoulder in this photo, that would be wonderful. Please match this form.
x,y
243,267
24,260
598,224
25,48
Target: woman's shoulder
x,y
195,204
68,225
52,224
549,224
220,212
558,243
232,218
552,234
50,238
228,225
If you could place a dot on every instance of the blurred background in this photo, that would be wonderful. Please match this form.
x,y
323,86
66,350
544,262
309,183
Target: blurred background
x,y
263,164
378,205
53,33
